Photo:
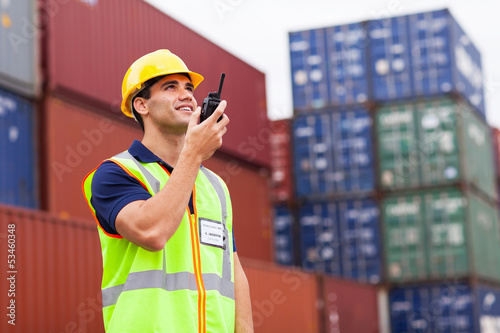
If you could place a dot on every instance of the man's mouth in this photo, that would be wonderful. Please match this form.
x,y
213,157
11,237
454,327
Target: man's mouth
x,y
185,108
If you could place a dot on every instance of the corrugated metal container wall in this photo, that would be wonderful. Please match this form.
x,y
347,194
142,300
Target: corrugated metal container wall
x,y
467,67
249,189
77,139
433,308
360,239
281,162
431,143
346,59
19,47
283,299
17,151
329,67
439,234
342,238
487,305
495,132
333,153
319,237
284,244
57,277
424,54
390,58
397,147
478,147
350,307
429,35
449,307
80,33
309,69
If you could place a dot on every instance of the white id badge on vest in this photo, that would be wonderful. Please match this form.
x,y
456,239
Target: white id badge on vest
x,y
212,233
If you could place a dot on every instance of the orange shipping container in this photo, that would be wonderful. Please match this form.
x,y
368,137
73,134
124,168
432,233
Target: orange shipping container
x,y
77,139
350,306
52,272
283,299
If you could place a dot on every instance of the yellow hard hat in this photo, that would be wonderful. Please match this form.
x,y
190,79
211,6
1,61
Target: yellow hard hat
x,y
157,63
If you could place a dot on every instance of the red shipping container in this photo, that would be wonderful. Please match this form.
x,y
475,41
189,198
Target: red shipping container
x,y
283,299
350,306
89,46
77,139
54,283
496,150
281,163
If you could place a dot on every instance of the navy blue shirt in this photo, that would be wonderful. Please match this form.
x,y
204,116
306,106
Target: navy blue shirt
x,y
113,188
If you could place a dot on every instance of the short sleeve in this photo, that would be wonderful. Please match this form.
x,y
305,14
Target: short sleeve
x,y
113,189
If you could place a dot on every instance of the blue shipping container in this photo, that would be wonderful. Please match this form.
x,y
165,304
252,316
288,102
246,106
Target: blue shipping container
x,y
17,157
449,308
419,55
341,238
329,67
319,237
309,69
333,153
390,64
283,235
346,59
425,54
360,243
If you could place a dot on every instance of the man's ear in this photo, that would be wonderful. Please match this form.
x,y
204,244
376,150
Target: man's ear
x,y
140,105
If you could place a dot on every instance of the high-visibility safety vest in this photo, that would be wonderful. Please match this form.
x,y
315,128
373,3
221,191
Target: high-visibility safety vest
x,y
186,287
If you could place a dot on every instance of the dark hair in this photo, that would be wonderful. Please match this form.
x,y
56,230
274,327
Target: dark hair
x,y
146,94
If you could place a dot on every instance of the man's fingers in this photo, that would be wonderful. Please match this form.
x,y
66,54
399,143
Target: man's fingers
x,y
218,112
195,117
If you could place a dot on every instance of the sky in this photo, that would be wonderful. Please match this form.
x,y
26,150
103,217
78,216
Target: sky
x,y
256,31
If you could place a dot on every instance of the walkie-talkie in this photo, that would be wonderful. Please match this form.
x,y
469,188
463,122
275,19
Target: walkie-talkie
x,y
211,102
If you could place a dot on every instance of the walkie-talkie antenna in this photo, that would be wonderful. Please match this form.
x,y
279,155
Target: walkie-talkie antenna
x,y
222,76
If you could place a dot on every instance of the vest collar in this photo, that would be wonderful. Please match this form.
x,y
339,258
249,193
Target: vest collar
x,y
143,154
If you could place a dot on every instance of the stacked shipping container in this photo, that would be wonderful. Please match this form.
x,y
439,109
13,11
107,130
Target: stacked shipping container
x,y
388,130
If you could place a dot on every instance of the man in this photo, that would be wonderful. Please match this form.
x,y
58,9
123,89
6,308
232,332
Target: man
x,y
165,222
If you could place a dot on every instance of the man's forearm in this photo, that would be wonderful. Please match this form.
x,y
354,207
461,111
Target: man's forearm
x,y
243,320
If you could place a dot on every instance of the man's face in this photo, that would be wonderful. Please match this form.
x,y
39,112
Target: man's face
x,y
172,102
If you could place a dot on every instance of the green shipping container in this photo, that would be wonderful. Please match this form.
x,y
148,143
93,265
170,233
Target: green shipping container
x,y
437,234
432,143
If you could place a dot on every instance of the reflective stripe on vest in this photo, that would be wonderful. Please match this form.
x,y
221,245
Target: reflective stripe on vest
x,y
226,263
155,183
169,282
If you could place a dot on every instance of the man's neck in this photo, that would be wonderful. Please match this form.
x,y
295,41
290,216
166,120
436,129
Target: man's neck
x,y
168,147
